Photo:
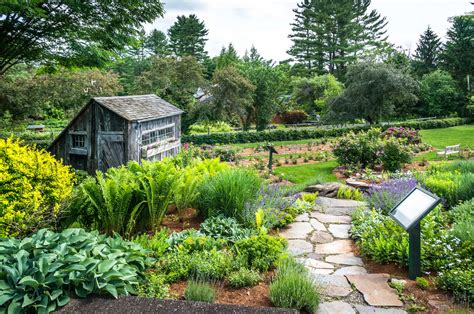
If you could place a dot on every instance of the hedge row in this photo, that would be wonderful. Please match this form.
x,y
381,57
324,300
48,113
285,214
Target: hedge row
x,y
301,134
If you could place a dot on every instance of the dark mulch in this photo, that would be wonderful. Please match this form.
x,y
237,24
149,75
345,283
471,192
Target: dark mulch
x,y
149,305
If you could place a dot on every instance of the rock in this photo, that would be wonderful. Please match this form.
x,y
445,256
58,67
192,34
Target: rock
x,y
297,230
339,211
364,309
317,225
325,189
335,247
361,185
351,270
375,289
335,202
302,217
321,237
325,218
332,285
338,307
345,259
309,262
340,230
320,271
299,247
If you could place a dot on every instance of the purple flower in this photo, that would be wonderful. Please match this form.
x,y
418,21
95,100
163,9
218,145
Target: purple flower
x,y
386,195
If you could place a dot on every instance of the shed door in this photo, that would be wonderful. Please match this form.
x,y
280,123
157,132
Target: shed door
x,y
111,151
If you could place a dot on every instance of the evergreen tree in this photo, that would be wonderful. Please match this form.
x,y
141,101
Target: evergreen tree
x,y
305,44
329,35
427,53
157,43
187,37
458,55
228,56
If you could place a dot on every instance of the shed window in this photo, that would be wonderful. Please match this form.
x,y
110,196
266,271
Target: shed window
x,y
158,135
78,140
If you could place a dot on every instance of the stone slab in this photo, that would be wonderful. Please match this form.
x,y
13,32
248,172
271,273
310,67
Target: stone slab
x,y
299,247
320,271
321,237
345,259
335,202
351,270
318,226
339,230
339,211
333,219
375,289
365,309
334,307
335,247
297,230
302,218
310,262
332,285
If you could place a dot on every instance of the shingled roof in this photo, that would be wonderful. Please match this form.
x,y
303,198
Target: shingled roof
x,y
140,107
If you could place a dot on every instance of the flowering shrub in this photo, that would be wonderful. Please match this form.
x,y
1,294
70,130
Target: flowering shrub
x,y
412,136
386,195
33,186
293,117
367,149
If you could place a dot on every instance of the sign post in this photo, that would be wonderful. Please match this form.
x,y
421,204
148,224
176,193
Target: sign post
x,y
271,151
408,213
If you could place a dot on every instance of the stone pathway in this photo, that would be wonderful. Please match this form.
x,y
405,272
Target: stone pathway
x,y
321,241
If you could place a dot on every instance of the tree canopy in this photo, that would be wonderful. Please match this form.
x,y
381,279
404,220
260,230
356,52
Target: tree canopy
x,y
427,53
187,37
50,30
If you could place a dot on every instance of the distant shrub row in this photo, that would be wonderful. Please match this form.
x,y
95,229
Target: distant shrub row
x,y
300,134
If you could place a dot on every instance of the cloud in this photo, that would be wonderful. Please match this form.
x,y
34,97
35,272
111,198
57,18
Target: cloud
x,y
186,5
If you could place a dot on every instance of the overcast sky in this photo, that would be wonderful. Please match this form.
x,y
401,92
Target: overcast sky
x,y
266,23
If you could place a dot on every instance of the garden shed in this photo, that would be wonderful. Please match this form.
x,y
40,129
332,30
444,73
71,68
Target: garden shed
x,y
109,131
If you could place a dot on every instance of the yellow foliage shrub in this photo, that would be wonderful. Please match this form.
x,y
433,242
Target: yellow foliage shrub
x,y
33,185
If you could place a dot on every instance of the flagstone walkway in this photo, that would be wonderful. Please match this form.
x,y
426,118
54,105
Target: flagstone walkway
x,y
321,241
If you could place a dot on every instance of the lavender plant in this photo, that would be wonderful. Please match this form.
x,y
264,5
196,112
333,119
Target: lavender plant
x,y
386,195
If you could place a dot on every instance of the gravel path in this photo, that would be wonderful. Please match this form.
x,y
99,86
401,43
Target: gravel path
x,y
321,241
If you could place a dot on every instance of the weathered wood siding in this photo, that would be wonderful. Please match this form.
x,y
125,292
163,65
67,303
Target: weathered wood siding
x,y
110,140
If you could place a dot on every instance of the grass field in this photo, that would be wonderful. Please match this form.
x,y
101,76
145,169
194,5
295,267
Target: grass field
x,y
308,174
440,138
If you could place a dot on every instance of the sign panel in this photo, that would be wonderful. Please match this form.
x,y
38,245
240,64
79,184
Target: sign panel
x,y
414,207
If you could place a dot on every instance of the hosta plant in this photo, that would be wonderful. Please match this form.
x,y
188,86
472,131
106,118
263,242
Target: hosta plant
x,y
37,272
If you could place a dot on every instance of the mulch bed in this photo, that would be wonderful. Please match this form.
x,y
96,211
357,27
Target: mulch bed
x,y
148,305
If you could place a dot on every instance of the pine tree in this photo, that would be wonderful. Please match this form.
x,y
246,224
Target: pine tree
x,y
458,55
228,56
427,53
329,35
157,43
305,44
187,37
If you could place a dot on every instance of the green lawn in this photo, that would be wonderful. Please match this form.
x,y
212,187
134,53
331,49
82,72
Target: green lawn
x,y
440,138
308,174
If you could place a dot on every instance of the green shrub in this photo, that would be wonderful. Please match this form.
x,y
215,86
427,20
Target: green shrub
x,y
310,197
228,192
243,278
308,133
454,182
37,272
462,217
155,286
261,251
395,154
157,243
198,290
33,186
224,228
458,280
293,288
349,193
211,127
359,150
422,282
